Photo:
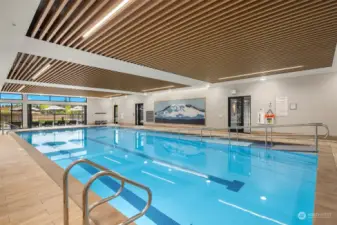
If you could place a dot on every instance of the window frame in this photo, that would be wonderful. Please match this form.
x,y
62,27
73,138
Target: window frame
x,y
49,98
13,94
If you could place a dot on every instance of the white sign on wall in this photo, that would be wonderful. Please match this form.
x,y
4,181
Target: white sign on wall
x,y
281,106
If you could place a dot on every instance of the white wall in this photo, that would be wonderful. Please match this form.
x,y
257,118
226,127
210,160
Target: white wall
x,y
315,95
96,105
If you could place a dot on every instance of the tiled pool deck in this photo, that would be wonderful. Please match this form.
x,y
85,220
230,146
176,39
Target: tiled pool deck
x,y
31,184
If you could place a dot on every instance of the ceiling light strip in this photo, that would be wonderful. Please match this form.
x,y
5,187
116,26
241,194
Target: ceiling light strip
x,y
41,71
262,72
159,88
64,86
111,96
21,88
105,19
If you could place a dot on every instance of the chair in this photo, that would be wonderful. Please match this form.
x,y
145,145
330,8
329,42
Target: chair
x,y
61,123
47,124
35,124
15,125
72,122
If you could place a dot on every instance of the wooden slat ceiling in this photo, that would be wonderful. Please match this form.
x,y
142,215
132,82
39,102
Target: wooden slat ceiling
x,y
59,91
201,39
60,72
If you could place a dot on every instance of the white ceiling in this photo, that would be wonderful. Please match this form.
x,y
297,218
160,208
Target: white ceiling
x,y
14,23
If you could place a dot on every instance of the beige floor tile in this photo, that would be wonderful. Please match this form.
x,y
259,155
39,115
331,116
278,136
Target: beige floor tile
x,y
4,220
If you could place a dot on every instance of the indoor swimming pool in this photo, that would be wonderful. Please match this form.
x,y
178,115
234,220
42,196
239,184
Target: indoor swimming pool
x,y
193,181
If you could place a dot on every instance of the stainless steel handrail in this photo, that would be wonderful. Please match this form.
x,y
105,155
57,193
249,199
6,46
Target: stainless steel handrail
x,y
265,127
87,210
105,172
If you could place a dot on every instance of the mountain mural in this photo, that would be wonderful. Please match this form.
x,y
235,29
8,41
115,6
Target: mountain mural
x,y
189,111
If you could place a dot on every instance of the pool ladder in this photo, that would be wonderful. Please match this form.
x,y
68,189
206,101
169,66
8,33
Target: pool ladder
x,y
104,172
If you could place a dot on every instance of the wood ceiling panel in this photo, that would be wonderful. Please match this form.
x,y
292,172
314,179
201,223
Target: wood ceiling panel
x,y
204,40
58,91
61,72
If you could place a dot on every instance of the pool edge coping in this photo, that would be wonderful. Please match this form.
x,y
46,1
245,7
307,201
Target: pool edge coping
x,y
326,187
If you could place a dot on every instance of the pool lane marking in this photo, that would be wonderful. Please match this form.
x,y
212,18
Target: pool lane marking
x,y
158,177
180,169
234,185
251,212
112,160
153,213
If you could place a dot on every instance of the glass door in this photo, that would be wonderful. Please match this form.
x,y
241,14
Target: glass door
x,y
16,115
235,113
139,114
116,114
11,114
5,115
246,114
239,113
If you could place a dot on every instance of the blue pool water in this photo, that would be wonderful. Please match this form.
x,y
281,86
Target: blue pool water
x,y
193,182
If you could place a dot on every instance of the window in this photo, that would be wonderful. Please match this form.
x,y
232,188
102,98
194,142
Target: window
x,y
38,97
11,115
41,115
9,96
56,98
77,99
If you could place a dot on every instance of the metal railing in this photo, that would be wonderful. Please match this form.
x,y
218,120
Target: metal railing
x,y
16,127
267,128
104,172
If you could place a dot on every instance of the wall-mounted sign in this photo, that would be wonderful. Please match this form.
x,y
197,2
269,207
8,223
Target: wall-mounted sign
x,y
282,106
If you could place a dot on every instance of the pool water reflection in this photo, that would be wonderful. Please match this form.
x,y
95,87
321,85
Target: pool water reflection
x,y
193,182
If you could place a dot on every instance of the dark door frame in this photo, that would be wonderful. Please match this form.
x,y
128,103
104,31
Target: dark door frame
x,y
137,115
242,112
115,116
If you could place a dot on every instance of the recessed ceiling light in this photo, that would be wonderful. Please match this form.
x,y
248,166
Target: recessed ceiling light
x,y
105,19
158,88
41,71
22,87
263,79
111,96
262,72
